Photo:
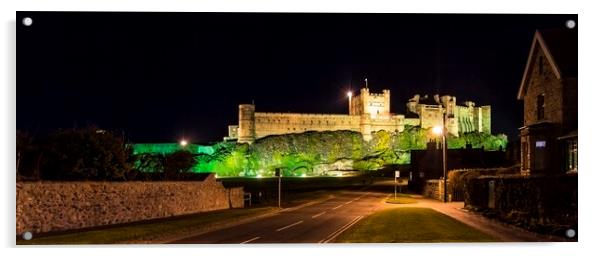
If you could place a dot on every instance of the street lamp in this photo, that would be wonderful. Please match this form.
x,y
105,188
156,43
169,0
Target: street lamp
x,y
440,131
183,143
349,95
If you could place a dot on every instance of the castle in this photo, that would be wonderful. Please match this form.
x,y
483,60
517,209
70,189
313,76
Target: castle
x,y
368,113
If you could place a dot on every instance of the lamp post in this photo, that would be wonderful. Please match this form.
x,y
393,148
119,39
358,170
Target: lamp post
x,y
349,95
441,131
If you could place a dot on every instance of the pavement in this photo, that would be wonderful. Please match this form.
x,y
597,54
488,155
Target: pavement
x,y
323,221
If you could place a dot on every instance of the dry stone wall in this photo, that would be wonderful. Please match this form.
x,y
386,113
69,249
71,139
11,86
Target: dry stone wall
x,y
56,206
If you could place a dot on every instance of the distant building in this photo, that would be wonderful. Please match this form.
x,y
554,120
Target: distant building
x,y
368,113
549,92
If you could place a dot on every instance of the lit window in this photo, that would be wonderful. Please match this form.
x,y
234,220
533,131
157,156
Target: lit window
x,y
540,144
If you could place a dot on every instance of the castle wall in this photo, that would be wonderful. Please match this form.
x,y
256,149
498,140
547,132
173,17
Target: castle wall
x,y
284,123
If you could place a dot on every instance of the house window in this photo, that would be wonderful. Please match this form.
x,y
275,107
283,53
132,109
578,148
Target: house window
x,y
571,159
540,144
540,106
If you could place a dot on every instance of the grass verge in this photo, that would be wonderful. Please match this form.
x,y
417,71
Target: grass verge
x,y
156,229
401,200
411,225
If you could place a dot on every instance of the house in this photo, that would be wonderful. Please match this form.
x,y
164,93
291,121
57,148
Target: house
x,y
549,92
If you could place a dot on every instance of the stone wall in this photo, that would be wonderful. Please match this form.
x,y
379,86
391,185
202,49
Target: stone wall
x,y
55,206
433,189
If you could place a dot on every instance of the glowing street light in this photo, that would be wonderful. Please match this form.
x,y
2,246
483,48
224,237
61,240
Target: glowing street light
x,y
183,143
349,95
440,131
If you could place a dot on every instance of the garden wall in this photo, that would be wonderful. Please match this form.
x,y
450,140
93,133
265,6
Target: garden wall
x,y
433,189
56,206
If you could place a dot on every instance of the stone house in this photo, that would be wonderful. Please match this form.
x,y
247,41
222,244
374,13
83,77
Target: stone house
x,y
549,92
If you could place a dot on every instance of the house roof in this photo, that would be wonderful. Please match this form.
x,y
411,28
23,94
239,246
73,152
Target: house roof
x,y
560,48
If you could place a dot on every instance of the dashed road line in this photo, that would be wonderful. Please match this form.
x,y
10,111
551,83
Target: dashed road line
x,y
285,227
318,215
337,207
251,240
340,230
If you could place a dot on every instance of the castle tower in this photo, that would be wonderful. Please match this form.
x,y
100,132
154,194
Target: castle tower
x,y
449,103
246,123
486,119
387,105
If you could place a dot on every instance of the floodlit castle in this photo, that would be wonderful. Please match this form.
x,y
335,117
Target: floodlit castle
x,y
368,113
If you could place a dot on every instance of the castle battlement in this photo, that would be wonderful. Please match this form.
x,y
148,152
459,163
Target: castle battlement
x,y
282,114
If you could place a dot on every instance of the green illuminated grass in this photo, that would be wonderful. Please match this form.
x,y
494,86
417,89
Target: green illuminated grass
x,y
138,232
411,225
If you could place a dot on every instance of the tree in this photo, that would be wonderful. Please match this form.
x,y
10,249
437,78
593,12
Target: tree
x,y
85,154
177,163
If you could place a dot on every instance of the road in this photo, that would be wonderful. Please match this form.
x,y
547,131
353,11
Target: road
x,y
316,223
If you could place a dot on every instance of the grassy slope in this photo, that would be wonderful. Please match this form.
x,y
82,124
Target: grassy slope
x,y
413,225
149,231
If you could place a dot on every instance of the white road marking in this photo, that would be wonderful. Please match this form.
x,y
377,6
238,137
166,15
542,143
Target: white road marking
x,y
283,228
340,230
318,215
337,207
250,240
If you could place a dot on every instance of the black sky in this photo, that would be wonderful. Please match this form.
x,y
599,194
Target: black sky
x,y
162,76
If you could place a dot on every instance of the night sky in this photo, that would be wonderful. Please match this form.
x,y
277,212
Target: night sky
x,y
159,77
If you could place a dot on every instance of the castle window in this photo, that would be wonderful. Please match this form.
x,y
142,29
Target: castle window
x,y
541,106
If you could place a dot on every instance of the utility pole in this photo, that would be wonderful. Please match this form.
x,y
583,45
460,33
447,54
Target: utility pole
x,y
444,159
279,174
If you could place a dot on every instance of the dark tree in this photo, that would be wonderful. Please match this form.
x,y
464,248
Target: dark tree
x,y
86,154
177,163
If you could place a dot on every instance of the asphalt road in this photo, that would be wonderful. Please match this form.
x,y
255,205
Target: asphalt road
x,y
315,223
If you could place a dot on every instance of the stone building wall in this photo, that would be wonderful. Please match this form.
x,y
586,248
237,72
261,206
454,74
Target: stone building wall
x,y
546,83
541,81
56,206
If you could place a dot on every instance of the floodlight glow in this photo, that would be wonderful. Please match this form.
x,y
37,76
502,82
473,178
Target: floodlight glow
x,y
438,130
349,94
303,175
183,143
259,176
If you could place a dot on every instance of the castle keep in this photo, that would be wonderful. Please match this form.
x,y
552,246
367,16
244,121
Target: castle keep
x,y
368,113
